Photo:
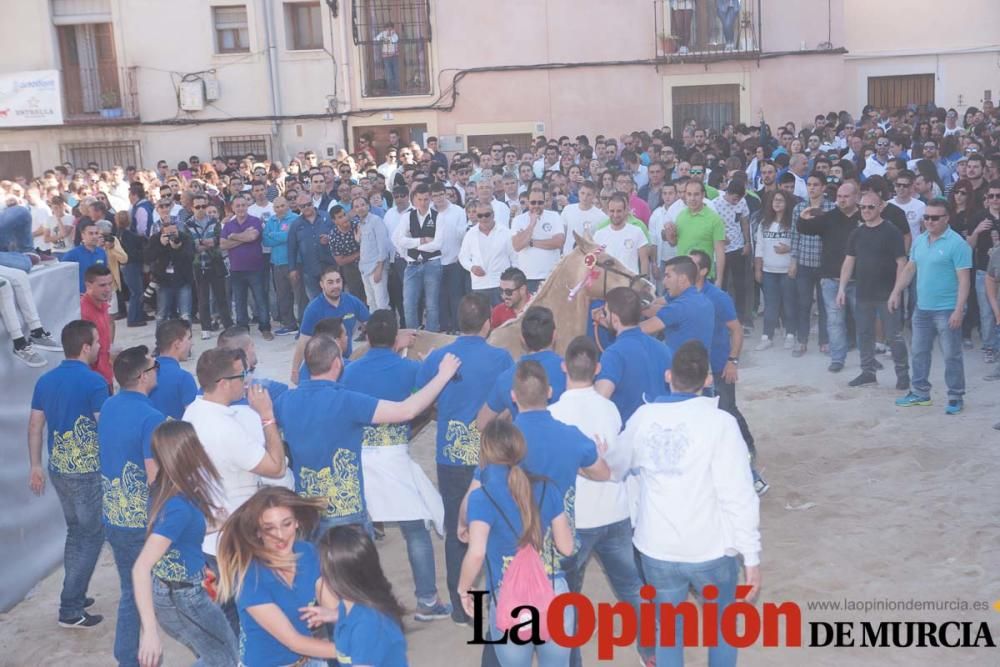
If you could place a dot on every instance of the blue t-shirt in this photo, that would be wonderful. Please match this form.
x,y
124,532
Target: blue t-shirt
x,y
304,373
125,434
351,309
258,648
273,387
637,364
385,375
322,424
175,388
937,282
499,398
70,395
184,525
365,636
725,311
688,317
86,259
501,545
460,401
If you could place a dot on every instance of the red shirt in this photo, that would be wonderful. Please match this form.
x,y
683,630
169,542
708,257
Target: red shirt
x,y
97,313
501,313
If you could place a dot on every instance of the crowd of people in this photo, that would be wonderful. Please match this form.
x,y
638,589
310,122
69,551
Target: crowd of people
x,y
243,513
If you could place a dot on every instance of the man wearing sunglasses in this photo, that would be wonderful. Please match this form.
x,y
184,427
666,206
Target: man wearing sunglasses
x,y
308,248
209,266
875,165
538,238
984,236
486,253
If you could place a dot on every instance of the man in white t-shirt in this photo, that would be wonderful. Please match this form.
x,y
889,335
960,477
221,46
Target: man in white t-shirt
x,y
501,212
486,253
538,238
658,222
582,218
904,199
603,525
623,241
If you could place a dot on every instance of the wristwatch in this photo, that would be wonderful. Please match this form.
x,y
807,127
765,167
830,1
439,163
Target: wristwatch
x,y
734,360
531,243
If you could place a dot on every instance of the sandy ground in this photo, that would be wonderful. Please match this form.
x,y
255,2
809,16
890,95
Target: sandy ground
x,y
867,502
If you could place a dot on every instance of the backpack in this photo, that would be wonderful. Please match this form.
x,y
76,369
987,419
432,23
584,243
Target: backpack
x,y
524,584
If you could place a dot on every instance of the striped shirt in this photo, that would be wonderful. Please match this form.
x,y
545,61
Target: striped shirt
x,y
806,248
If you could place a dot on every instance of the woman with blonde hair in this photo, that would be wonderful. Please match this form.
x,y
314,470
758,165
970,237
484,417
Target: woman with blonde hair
x,y
272,572
168,574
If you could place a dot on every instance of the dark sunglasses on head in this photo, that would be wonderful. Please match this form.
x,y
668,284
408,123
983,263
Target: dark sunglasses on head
x,y
934,218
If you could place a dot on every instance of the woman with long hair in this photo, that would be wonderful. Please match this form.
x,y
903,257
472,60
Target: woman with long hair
x,y
508,511
168,574
963,205
272,572
772,259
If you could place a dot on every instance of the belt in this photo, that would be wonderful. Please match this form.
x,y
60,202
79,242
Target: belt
x,y
179,585
421,260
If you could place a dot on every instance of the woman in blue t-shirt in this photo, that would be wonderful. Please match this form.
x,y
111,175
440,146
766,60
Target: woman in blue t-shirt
x,y
509,510
357,597
273,574
167,576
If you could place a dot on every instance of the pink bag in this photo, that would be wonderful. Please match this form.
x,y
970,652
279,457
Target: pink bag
x,y
524,584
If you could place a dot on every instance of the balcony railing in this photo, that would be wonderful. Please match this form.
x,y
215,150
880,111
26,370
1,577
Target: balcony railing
x,y
103,94
700,34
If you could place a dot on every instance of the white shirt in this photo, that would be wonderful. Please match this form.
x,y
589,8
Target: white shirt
x,y
622,244
914,210
657,221
233,438
391,219
388,170
537,263
873,167
261,212
597,503
800,187
493,253
501,213
675,209
764,249
403,241
696,497
640,177
575,219
174,212
454,224
41,218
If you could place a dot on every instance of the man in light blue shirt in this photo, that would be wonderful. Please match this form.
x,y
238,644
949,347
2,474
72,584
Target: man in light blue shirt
x,y
276,238
375,254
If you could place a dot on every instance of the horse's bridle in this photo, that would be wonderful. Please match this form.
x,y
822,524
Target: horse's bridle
x,y
608,266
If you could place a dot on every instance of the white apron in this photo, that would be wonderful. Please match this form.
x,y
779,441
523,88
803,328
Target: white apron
x,y
397,489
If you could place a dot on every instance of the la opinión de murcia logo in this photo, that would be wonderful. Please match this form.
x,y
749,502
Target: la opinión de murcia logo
x,y
739,624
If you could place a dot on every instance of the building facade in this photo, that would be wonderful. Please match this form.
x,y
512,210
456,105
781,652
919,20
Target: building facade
x,y
142,80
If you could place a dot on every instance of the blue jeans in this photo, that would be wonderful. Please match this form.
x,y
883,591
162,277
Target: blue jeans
x,y
170,300
865,314
15,229
806,284
549,654
779,299
252,281
15,260
452,291
453,482
391,65
612,544
126,543
360,519
492,295
672,582
926,325
728,16
420,553
80,496
132,277
189,616
987,324
422,279
836,317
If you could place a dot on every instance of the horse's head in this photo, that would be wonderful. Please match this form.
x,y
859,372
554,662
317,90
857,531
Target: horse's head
x,y
610,273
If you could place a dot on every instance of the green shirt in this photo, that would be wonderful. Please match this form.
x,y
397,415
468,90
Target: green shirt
x,y
700,231
632,220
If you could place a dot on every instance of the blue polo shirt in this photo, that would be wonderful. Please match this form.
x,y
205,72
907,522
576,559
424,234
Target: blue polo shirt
x,y
181,522
304,373
175,388
499,398
125,434
365,636
70,395
86,259
350,309
261,586
322,423
637,364
937,283
688,317
725,311
460,401
385,375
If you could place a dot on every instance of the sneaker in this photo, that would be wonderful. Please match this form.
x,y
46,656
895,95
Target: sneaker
x,y
84,621
902,382
46,342
989,356
267,335
967,343
955,406
28,355
433,612
880,348
461,620
132,325
88,602
866,377
911,400
747,330
789,341
286,331
878,365
206,335
835,367
761,487
764,343
798,350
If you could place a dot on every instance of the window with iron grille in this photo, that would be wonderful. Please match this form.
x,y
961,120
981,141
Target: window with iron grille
x,y
232,33
394,37
710,106
896,92
258,145
104,154
303,26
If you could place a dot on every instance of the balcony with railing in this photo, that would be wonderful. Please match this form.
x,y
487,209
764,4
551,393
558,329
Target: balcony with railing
x,y
100,95
706,30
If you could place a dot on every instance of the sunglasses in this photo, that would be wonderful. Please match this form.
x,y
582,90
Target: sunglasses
x,y
868,207
484,216
934,218
961,192
993,195
508,291
154,367
696,172
198,208
536,202
903,184
241,376
881,144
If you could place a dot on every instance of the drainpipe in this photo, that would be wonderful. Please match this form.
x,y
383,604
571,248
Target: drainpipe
x,y
344,103
274,82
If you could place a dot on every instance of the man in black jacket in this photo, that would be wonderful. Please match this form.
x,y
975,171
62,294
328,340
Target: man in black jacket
x,y
209,266
171,257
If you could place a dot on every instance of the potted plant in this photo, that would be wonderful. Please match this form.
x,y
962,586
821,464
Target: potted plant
x,y
110,104
668,43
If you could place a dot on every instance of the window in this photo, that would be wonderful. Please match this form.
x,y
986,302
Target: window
x,y
16,164
394,58
303,26
711,106
896,92
105,154
258,145
522,142
231,32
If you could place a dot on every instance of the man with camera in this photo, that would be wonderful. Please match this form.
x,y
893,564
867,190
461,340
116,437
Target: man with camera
x,y
171,257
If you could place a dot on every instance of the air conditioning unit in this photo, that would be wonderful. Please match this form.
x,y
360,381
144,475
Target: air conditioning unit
x,y
192,97
451,143
212,90
539,128
331,150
